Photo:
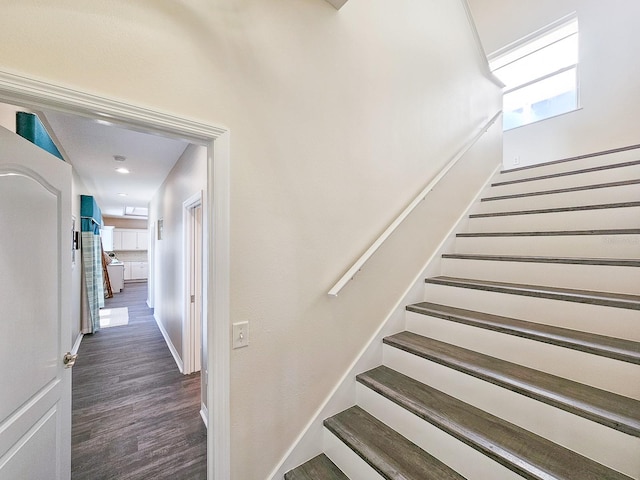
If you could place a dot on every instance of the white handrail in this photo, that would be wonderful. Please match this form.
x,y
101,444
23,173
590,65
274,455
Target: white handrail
x,y
351,273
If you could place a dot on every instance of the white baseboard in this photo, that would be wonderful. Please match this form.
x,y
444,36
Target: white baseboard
x,y
76,344
204,413
169,343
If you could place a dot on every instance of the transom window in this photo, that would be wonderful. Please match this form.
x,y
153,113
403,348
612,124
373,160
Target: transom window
x,y
540,73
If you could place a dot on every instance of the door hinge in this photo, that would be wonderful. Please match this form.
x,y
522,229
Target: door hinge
x,y
193,299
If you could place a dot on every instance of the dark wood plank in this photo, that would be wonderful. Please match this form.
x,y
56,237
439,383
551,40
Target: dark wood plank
x,y
579,208
614,411
581,188
616,348
571,159
556,233
135,416
521,451
617,300
318,468
569,173
385,450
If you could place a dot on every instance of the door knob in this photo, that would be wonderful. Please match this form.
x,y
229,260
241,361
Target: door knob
x,y
69,360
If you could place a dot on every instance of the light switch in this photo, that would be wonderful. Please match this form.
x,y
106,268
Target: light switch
x,y
240,334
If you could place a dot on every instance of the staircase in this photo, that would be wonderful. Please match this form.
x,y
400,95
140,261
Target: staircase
x,y
524,358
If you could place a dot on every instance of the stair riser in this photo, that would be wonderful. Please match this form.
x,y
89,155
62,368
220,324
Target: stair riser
x,y
600,372
346,459
605,445
568,181
463,459
627,193
577,246
613,322
601,219
597,161
603,278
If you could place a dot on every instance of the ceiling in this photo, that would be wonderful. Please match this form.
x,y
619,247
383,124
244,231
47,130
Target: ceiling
x,y
91,145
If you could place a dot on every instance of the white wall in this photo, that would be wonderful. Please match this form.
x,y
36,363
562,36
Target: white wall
x,y
188,177
337,119
609,75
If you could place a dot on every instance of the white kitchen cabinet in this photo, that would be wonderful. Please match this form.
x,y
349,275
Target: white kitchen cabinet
x,y
130,239
117,240
136,270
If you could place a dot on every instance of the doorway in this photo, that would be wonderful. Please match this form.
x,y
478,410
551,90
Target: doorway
x,y
215,284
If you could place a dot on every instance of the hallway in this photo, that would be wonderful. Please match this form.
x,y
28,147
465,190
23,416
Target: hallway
x,y
135,416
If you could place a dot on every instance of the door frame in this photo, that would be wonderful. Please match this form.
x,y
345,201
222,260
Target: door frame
x,y
36,94
192,326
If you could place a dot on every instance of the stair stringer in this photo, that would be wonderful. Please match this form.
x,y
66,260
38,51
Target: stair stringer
x,y
311,440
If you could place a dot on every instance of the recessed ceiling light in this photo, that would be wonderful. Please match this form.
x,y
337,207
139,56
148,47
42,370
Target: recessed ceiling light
x,y
122,194
122,170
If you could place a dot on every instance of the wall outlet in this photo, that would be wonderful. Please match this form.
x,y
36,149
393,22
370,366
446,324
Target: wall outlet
x,y
240,332
516,160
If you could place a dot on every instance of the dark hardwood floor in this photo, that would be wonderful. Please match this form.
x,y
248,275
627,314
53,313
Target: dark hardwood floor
x,y
135,416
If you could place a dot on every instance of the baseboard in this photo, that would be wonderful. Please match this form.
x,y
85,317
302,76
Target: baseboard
x,y
169,343
76,344
204,413
309,442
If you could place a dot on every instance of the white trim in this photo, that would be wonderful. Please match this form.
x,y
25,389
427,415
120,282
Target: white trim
x,y
357,266
343,394
32,93
76,344
204,413
190,336
170,344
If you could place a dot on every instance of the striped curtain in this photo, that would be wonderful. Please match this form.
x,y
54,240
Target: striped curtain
x,y
91,219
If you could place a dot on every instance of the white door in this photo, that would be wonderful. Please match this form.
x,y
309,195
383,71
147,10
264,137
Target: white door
x,y
35,324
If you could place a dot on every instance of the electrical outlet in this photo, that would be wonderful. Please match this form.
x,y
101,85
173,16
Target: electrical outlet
x,y
516,160
240,334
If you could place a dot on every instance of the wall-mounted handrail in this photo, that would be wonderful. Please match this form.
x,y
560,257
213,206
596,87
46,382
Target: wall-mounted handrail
x,y
357,266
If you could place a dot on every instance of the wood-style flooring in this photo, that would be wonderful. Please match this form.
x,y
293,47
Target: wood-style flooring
x,y
135,416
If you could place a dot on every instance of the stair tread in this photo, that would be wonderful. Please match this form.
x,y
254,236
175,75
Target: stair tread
x,y
557,233
572,159
384,449
595,186
521,451
616,348
610,409
613,262
569,173
617,300
318,468
579,208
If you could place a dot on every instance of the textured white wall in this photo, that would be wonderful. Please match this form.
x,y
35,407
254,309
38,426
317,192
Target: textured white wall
x,y
609,74
188,177
337,119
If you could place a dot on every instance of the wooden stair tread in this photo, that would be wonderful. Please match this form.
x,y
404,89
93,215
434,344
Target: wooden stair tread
x,y
617,300
519,450
616,348
610,409
556,210
569,173
318,468
384,449
612,262
580,188
556,233
571,159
